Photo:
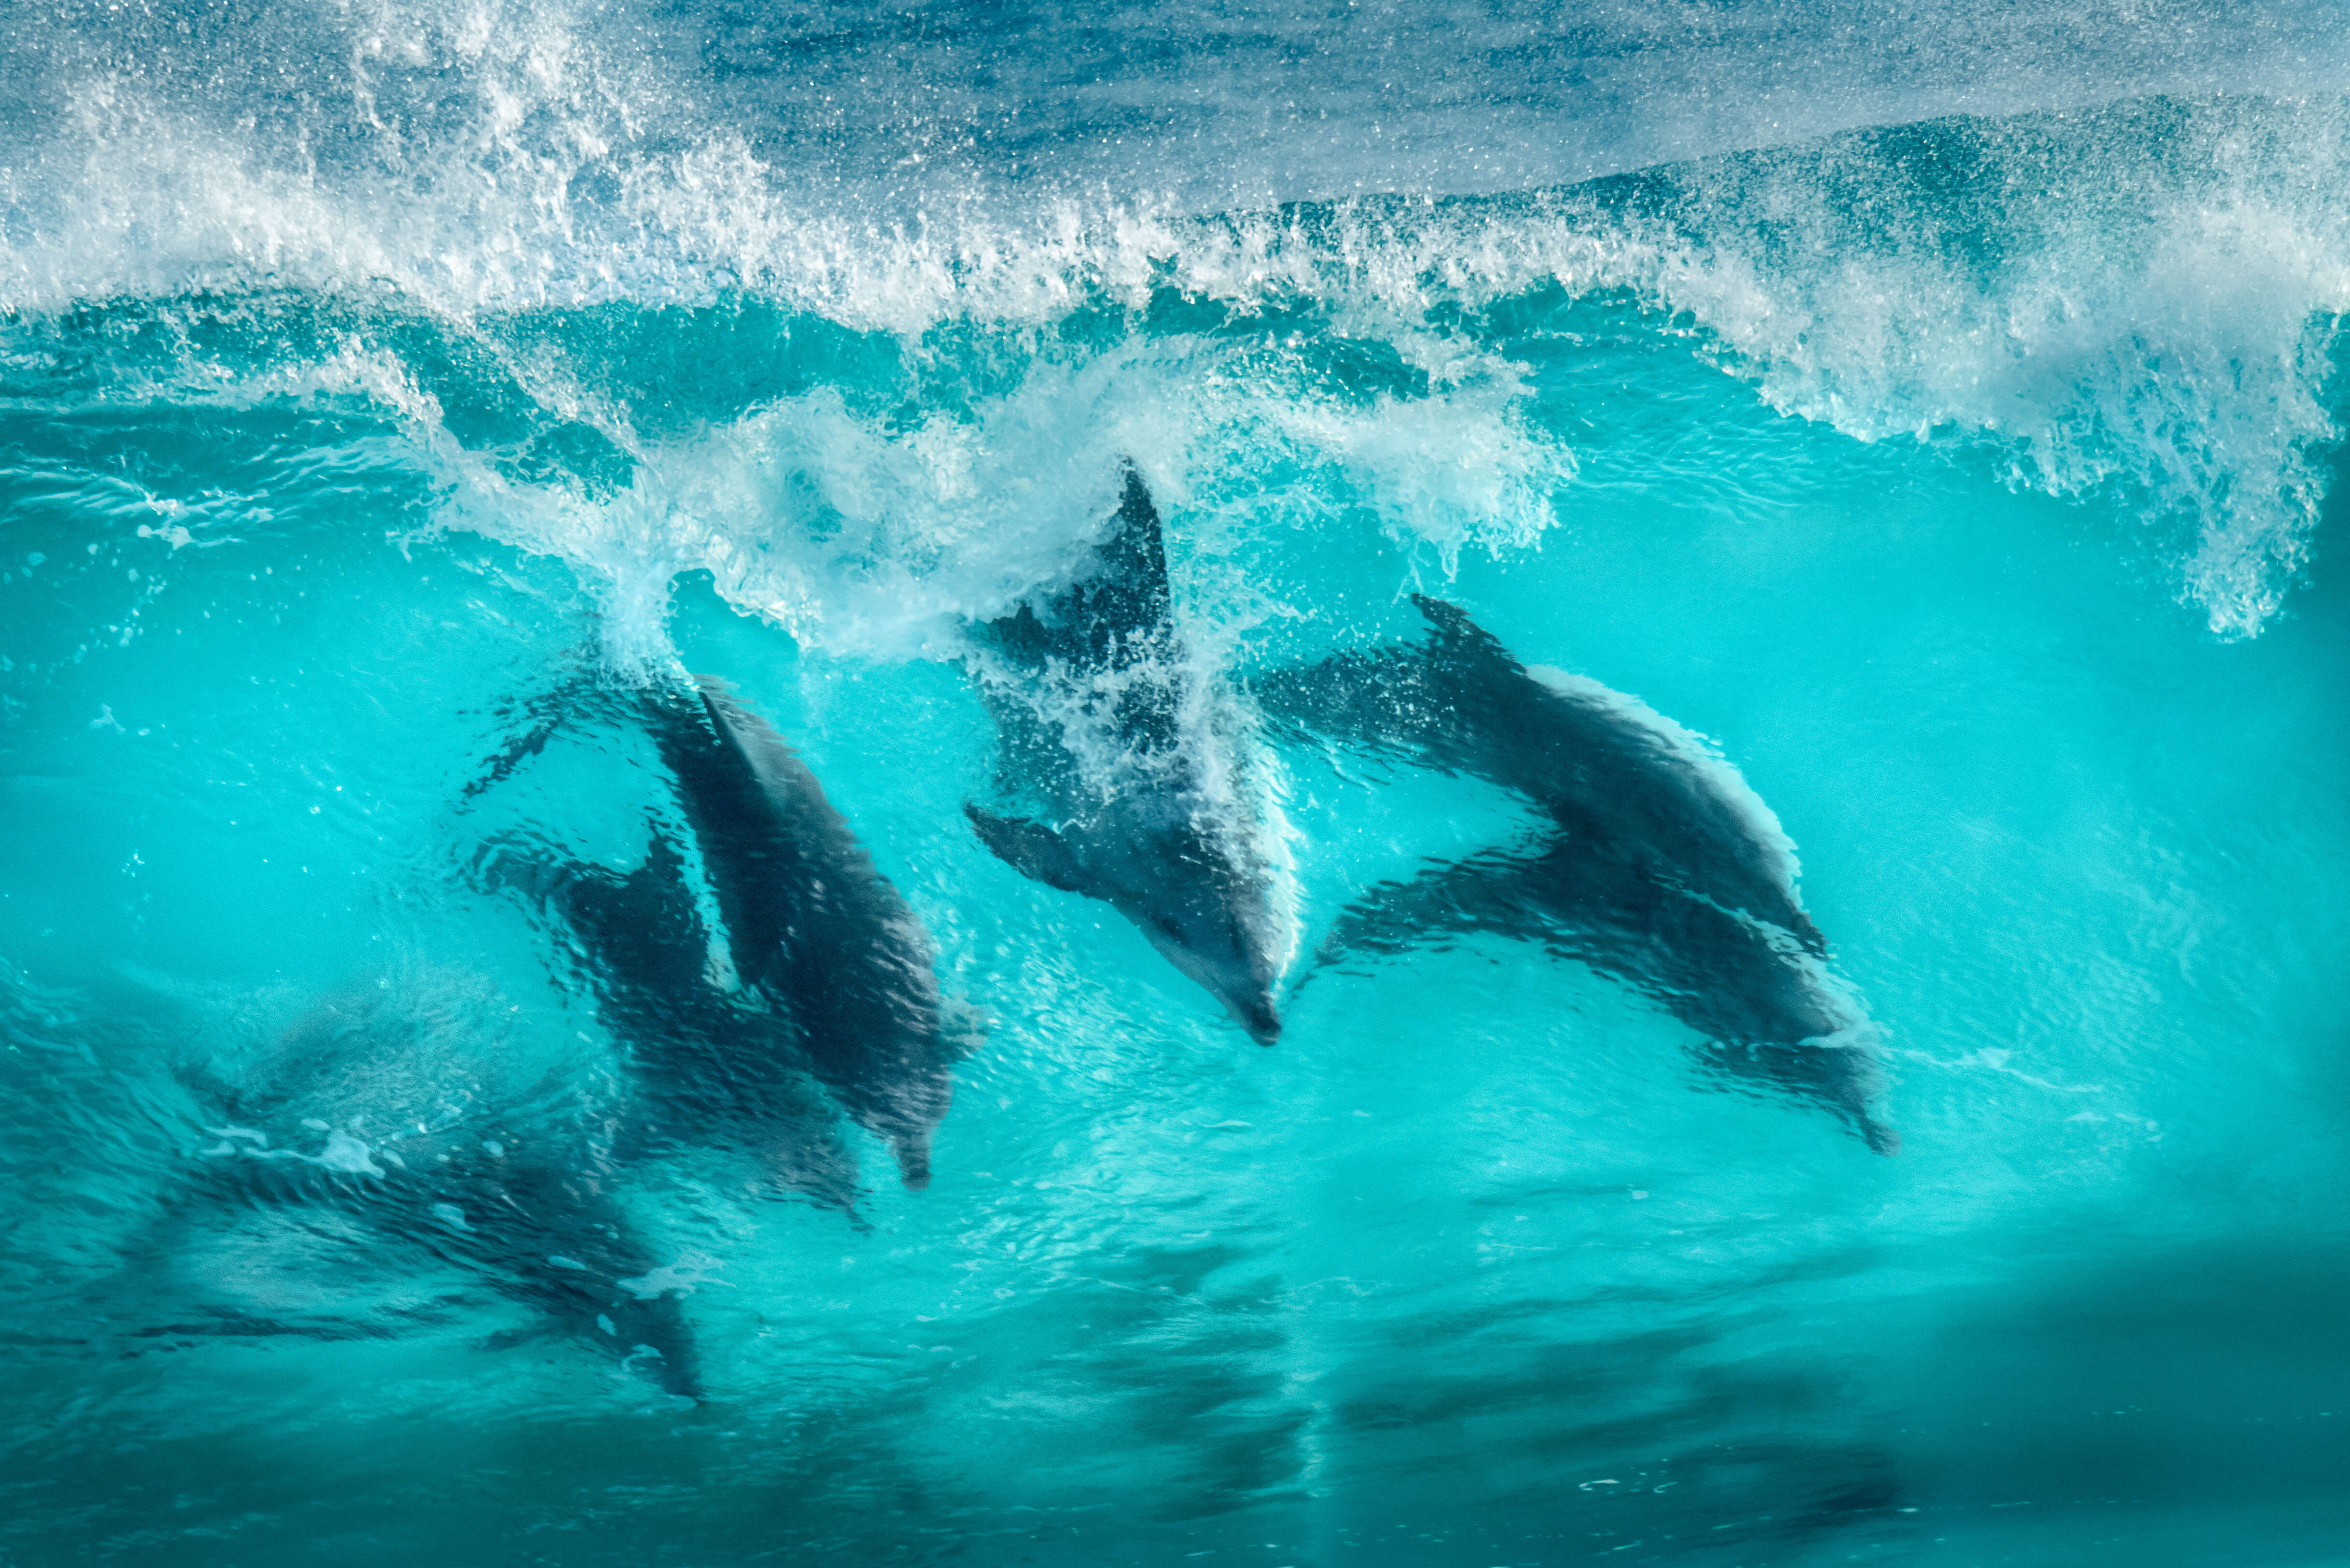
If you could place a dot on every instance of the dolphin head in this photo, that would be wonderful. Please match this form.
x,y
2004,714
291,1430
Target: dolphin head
x,y
1208,916
1232,969
1257,1016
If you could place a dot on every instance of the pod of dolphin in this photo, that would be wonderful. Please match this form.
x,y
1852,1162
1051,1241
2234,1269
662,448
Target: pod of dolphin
x,y
764,979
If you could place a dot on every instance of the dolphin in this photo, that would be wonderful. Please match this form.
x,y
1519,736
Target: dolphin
x,y
1771,1012
1605,767
825,972
709,1065
1655,864
414,1147
1154,807
811,924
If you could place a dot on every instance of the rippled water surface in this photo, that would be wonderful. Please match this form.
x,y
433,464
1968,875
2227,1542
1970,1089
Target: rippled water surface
x,y
1935,411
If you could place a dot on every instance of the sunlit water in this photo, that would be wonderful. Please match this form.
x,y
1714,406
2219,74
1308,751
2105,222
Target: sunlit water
x,y
378,380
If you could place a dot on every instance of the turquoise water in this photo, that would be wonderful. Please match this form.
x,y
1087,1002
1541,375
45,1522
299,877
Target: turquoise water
x,y
1962,462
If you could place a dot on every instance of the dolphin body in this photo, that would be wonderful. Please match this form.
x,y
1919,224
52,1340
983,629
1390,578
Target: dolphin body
x,y
832,972
1607,768
1104,716
414,1149
1659,866
811,924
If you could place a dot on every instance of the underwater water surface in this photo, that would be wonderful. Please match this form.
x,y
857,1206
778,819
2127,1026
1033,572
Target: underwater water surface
x,y
1930,415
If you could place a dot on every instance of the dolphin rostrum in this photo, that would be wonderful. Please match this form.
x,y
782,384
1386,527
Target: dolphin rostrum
x,y
1657,864
1139,763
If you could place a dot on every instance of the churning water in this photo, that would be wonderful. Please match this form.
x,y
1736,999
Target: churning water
x,y
1934,407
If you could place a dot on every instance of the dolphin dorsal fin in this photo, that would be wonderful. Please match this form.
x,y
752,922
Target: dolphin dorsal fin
x,y
1133,551
1124,610
1119,610
1454,639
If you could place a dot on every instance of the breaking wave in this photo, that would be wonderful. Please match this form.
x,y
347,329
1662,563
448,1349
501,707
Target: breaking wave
x,y
613,312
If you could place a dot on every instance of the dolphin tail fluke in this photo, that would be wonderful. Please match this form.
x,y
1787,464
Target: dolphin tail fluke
x,y
1030,849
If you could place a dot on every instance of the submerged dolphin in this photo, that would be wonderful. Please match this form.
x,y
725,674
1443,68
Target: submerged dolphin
x,y
1140,768
413,1148
812,926
831,972
1770,1011
710,1066
1659,866
1607,768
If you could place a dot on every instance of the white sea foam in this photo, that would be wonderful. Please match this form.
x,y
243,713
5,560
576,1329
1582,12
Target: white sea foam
x,y
2137,302
864,534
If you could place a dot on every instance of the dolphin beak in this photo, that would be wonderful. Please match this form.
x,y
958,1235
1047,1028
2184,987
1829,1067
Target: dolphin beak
x,y
1258,1017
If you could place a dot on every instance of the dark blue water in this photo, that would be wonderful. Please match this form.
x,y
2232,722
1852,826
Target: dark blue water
x,y
1927,419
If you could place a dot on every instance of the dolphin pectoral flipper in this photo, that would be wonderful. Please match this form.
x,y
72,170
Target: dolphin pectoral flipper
x,y
1496,892
1030,849
643,925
